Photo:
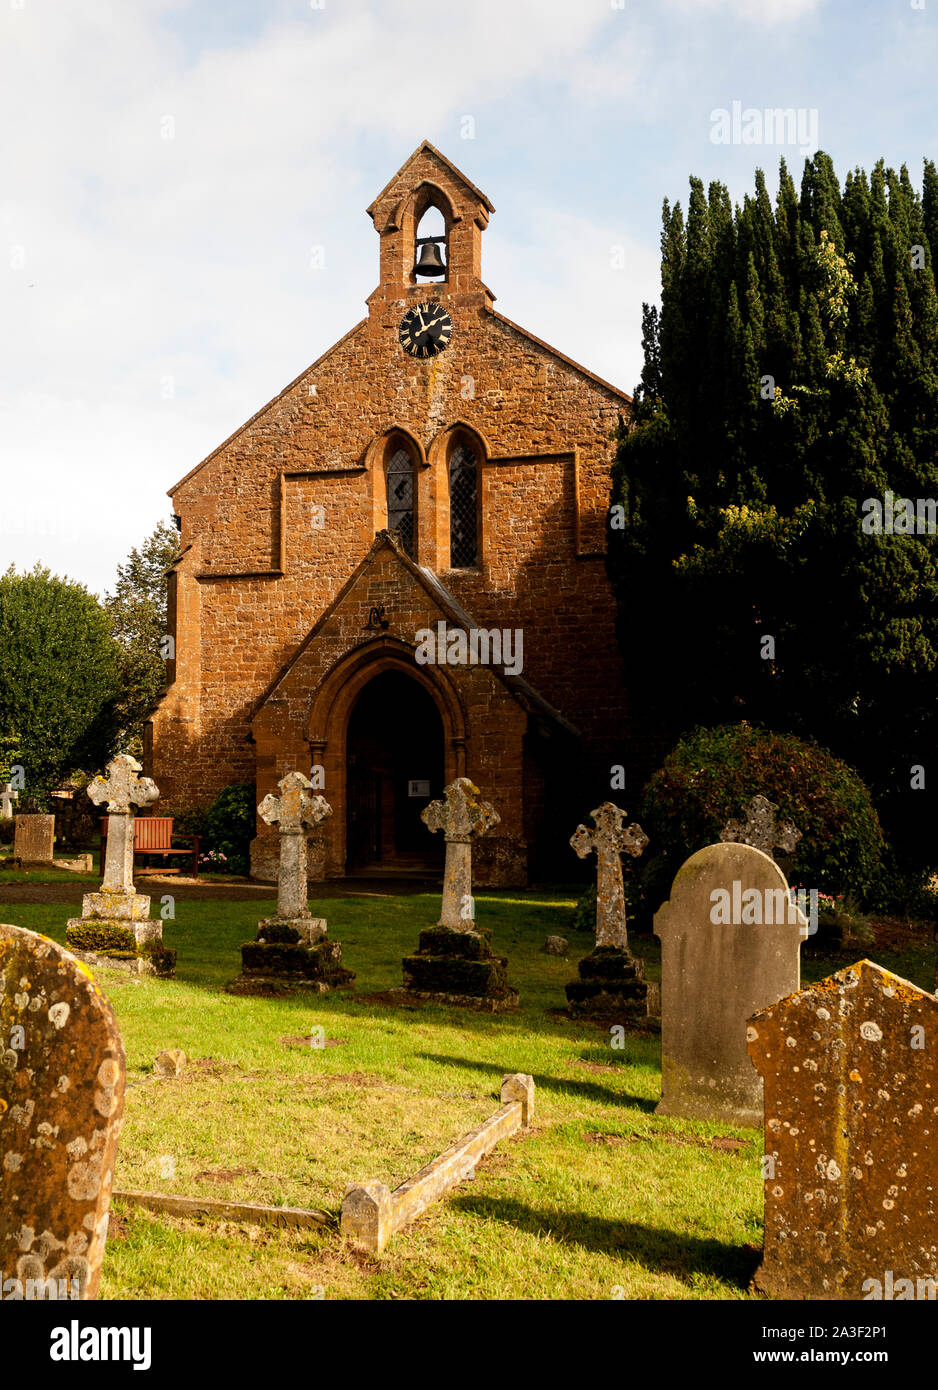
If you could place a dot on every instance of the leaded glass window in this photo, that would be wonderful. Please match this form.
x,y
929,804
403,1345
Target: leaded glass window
x,y
463,508
401,498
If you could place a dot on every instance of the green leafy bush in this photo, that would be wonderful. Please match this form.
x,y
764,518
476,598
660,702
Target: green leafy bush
x,y
711,776
230,825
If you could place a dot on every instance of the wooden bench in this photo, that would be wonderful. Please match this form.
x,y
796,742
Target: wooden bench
x,y
154,835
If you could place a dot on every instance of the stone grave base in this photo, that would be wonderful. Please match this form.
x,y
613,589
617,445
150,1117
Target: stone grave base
x,y
136,947
457,967
611,983
692,1099
482,1003
303,930
296,953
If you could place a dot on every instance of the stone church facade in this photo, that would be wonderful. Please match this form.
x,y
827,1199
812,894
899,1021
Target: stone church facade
x,y
437,471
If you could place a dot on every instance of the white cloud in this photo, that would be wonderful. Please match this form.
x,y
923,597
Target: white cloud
x,y
159,206
769,12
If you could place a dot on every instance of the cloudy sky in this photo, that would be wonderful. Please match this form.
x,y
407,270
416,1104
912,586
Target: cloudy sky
x,y
168,167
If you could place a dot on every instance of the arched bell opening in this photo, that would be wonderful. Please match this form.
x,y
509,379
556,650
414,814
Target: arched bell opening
x,y
432,220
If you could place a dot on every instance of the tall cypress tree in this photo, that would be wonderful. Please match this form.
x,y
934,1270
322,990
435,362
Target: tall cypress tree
x,y
791,374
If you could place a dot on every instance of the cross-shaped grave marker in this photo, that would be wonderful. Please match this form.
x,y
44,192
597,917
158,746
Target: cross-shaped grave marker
x,y
609,841
462,816
7,798
122,789
760,829
115,922
293,811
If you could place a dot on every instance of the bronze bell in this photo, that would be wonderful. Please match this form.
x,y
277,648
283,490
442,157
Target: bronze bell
x,y
429,261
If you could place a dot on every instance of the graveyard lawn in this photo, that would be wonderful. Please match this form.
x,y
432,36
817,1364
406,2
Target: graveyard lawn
x,y
602,1199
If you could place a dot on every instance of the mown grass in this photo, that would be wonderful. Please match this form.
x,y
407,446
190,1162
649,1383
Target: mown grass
x,y
601,1199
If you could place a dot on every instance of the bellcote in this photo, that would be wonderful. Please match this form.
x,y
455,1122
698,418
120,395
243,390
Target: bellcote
x,y
429,201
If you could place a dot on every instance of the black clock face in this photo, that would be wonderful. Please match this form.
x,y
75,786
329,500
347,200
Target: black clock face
x,y
425,330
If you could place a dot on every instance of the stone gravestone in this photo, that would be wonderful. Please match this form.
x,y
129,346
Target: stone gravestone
x,y
761,830
7,797
115,926
851,1138
33,840
454,962
730,937
610,977
292,947
61,1102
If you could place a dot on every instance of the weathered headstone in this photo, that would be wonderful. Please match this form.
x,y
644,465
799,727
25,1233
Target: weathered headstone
x,y
8,795
61,1102
115,926
761,830
33,840
454,961
610,977
730,937
851,1138
292,946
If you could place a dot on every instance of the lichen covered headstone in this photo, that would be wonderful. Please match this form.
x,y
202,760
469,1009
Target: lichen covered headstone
x,y
610,979
851,1138
33,840
115,927
61,1101
761,830
730,944
454,962
292,947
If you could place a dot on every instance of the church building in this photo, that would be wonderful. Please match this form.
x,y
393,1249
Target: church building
x,y
393,574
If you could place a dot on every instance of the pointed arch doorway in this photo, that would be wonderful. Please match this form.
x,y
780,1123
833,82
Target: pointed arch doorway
x,y
394,766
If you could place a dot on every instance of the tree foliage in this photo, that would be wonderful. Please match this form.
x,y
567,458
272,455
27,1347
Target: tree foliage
x,y
58,678
137,609
791,374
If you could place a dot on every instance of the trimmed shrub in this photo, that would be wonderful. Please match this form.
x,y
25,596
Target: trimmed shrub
x,y
711,776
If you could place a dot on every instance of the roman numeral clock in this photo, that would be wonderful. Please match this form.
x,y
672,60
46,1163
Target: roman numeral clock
x,y
425,329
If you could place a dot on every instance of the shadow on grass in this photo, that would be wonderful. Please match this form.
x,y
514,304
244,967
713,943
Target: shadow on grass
x,y
585,1090
677,1253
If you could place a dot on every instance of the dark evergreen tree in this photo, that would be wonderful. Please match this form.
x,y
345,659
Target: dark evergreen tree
x,y
791,374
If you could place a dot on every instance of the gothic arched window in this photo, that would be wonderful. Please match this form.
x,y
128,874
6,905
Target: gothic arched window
x,y
463,508
401,498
